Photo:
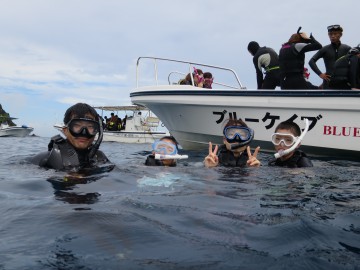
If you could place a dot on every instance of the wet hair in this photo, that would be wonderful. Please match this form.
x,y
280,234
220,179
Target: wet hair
x,y
295,38
79,110
207,75
235,122
253,47
288,125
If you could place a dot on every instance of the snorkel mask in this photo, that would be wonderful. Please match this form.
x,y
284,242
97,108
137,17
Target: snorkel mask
x,y
83,127
238,136
286,138
166,150
88,128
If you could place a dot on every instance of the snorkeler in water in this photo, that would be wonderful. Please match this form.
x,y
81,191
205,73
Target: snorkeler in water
x,y
78,150
165,153
235,152
287,140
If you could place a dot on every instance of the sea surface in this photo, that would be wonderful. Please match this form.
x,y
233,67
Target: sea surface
x,y
184,217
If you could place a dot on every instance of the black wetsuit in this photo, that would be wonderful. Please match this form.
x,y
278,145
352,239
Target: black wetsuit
x,y
291,59
61,155
346,73
151,161
267,59
227,158
330,53
311,86
298,160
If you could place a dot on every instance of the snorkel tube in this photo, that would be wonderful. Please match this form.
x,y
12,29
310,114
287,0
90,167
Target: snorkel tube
x,y
293,147
176,156
96,145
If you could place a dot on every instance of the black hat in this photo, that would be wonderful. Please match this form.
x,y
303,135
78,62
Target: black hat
x,y
334,27
253,47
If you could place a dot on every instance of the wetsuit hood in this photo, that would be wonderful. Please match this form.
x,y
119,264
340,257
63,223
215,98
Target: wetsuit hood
x,y
253,47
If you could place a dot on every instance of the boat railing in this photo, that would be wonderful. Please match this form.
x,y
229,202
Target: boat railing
x,y
189,66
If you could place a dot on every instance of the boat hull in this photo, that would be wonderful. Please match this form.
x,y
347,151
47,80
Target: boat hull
x,y
15,131
196,117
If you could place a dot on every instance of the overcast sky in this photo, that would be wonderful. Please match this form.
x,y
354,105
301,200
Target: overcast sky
x,y
54,53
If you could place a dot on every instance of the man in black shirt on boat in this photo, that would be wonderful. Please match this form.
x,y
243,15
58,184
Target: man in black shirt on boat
x,y
330,53
77,151
267,59
346,73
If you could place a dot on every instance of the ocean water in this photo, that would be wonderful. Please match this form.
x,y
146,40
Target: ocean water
x,y
184,217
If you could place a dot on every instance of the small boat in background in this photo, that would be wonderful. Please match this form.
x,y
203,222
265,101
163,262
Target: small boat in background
x,y
137,128
13,131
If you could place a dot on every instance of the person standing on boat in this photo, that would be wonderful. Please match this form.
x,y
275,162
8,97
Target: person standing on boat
x,y
235,152
346,73
292,59
267,59
286,136
78,150
330,53
167,145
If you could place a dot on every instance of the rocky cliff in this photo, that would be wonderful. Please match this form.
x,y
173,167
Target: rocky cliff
x,y
4,115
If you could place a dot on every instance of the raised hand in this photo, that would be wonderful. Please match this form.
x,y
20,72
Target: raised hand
x,y
211,160
253,161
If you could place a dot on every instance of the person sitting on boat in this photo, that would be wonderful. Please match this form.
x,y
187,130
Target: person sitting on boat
x,y
235,152
267,59
112,125
118,124
292,59
123,124
77,150
346,74
198,77
330,53
287,136
166,146
208,80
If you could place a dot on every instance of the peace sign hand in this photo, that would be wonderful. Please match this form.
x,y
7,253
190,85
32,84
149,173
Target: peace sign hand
x,y
212,159
253,161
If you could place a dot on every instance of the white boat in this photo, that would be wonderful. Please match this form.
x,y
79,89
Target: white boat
x,y
139,128
14,131
195,116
